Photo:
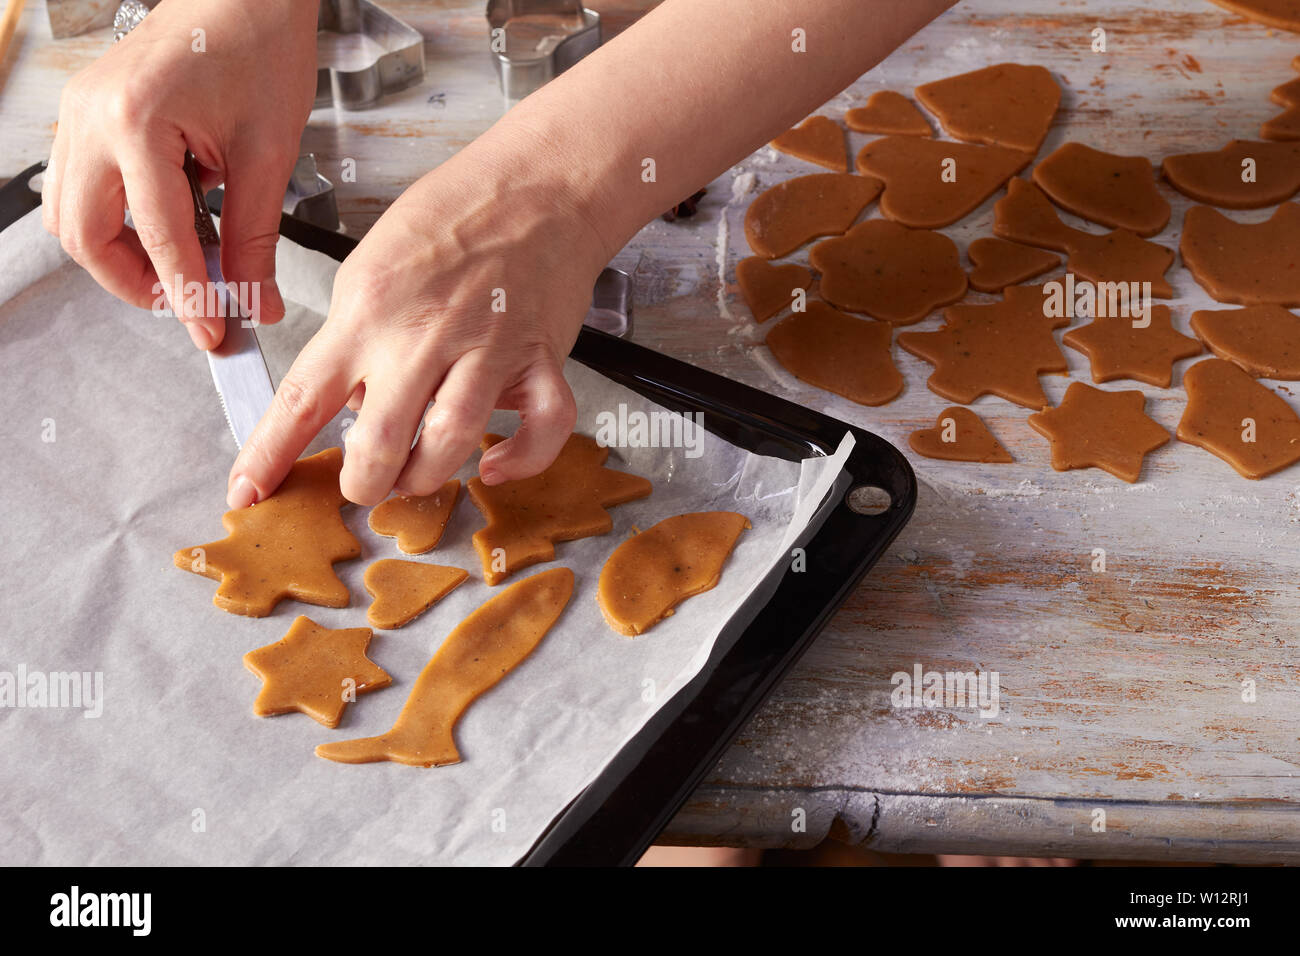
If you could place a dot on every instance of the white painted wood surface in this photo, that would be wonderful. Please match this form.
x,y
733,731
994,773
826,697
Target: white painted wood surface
x,y
1122,690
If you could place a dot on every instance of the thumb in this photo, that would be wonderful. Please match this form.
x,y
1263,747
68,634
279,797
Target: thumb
x,y
250,227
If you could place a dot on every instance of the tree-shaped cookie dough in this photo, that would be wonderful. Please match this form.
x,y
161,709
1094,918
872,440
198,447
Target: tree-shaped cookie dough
x,y
565,502
283,547
1231,415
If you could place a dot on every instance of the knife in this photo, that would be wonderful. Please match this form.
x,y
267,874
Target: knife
x,y
237,364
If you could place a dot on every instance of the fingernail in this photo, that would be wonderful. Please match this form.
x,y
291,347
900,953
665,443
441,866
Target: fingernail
x,y
241,494
199,336
491,477
273,304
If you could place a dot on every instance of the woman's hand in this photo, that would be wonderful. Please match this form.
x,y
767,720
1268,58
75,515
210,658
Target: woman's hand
x,y
468,292
232,81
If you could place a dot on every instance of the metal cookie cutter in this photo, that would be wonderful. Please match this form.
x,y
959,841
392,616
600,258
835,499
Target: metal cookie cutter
x,y
533,41
611,303
310,195
364,52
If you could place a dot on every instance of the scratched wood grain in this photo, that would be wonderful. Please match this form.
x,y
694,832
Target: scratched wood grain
x,y
1122,690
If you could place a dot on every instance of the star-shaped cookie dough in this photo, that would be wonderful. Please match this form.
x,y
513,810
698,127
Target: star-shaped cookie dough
x,y
1119,349
1092,428
314,671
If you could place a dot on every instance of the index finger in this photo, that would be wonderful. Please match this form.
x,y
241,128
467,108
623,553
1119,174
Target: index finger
x,y
310,394
162,211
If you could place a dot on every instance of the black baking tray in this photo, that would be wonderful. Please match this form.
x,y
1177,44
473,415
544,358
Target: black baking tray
x,y
621,812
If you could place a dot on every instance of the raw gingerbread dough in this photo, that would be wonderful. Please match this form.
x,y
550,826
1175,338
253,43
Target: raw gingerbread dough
x,y
486,646
837,352
959,435
565,502
652,572
1283,14
1263,339
1216,177
1224,405
1117,349
1025,215
786,216
888,271
1241,263
997,349
1116,191
817,139
914,172
1092,428
888,114
1004,105
1284,127
306,671
769,288
403,590
999,263
283,547
416,522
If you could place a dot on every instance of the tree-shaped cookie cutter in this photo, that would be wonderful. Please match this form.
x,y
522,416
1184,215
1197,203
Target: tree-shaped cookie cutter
x,y
371,53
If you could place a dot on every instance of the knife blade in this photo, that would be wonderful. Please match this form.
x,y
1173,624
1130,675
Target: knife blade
x,y
237,365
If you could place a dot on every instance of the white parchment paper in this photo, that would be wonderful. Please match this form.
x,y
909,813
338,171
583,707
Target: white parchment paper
x,y
115,455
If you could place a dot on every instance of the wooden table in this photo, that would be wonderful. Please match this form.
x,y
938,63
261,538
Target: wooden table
x,y
1122,690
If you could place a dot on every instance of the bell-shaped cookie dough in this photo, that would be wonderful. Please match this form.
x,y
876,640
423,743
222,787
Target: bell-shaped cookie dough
x,y
1241,263
1231,415
932,183
1264,340
1244,174
650,573
1116,191
888,271
837,352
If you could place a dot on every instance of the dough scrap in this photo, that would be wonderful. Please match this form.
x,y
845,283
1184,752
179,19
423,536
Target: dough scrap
x,y
1220,398
1116,191
1288,94
998,349
913,171
1117,349
649,574
786,216
768,288
818,139
484,648
1244,264
1007,104
1025,215
283,547
840,353
959,435
888,114
306,669
403,590
1263,339
1092,428
1282,14
888,271
999,263
416,522
565,502
1216,177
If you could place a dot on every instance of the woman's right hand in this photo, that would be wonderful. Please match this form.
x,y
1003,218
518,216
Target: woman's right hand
x,y
231,81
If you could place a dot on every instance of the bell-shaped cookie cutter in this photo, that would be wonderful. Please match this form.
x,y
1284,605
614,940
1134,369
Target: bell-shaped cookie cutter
x,y
376,54
561,32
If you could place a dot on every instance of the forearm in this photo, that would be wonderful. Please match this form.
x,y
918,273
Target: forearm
x,y
695,86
